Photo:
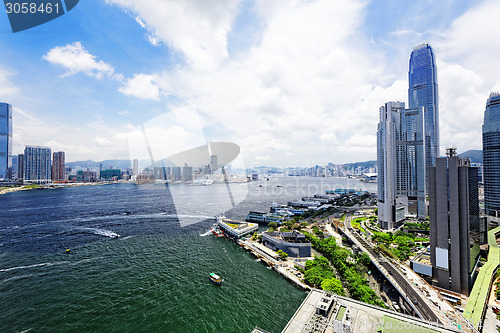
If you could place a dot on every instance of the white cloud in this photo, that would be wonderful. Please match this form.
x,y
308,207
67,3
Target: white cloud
x,y
198,28
141,86
299,95
467,60
151,35
7,88
76,59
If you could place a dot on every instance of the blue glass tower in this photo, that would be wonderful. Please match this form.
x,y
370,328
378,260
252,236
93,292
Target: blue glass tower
x,y
423,92
5,141
491,156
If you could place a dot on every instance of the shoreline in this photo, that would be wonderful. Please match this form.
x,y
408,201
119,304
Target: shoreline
x,y
30,187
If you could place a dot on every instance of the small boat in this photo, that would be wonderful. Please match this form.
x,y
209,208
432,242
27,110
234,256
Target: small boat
x,y
216,230
215,278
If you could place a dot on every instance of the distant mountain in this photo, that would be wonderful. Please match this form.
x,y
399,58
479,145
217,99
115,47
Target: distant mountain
x,y
363,165
475,156
106,164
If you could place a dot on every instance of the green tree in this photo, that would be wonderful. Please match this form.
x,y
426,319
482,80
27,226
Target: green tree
x,y
272,225
333,284
363,259
283,255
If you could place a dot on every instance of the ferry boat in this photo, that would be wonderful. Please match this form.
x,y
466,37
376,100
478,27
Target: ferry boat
x,y
215,278
216,230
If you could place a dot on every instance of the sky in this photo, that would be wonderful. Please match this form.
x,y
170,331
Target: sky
x,y
293,83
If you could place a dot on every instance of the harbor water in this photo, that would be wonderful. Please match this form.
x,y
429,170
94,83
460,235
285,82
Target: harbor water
x,y
140,257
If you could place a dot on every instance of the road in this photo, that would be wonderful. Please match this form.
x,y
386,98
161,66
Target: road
x,y
421,304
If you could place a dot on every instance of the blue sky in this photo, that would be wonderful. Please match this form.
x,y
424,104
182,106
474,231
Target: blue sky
x,y
294,83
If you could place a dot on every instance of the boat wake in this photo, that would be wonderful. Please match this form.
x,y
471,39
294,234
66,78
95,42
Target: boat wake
x,y
101,232
206,233
33,266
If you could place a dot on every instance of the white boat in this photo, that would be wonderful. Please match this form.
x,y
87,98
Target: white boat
x,y
203,182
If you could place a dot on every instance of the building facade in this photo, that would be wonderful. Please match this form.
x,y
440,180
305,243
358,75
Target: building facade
x,y
37,164
135,167
176,174
20,166
491,157
400,164
58,166
187,173
5,141
423,92
293,243
454,222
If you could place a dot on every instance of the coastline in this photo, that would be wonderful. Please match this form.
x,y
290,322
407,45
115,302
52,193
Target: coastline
x,y
51,186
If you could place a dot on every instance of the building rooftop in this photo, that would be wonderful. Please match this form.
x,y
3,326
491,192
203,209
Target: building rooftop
x,y
345,314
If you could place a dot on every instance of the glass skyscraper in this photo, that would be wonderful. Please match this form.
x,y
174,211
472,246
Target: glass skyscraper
x,y
491,156
5,141
401,164
423,92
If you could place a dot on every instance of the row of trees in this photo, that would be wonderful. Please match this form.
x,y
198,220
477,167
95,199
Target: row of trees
x,y
404,243
318,273
351,271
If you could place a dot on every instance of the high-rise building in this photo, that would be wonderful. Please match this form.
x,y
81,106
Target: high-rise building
x,y
37,164
20,166
5,141
400,164
135,167
454,222
213,163
187,173
491,157
58,166
15,166
176,173
423,92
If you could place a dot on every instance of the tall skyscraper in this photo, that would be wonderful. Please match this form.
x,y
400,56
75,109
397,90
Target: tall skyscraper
x,y
454,222
37,164
135,167
400,164
423,92
58,166
20,166
5,141
491,157
213,163
187,173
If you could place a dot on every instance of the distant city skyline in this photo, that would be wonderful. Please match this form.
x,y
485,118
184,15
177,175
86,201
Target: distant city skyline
x,y
291,84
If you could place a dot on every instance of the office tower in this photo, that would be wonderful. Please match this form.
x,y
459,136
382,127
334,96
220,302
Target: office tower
x,y
454,222
135,167
5,141
15,166
37,164
213,163
20,166
491,157
423,92
187,173
400,164
176,173
58,166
